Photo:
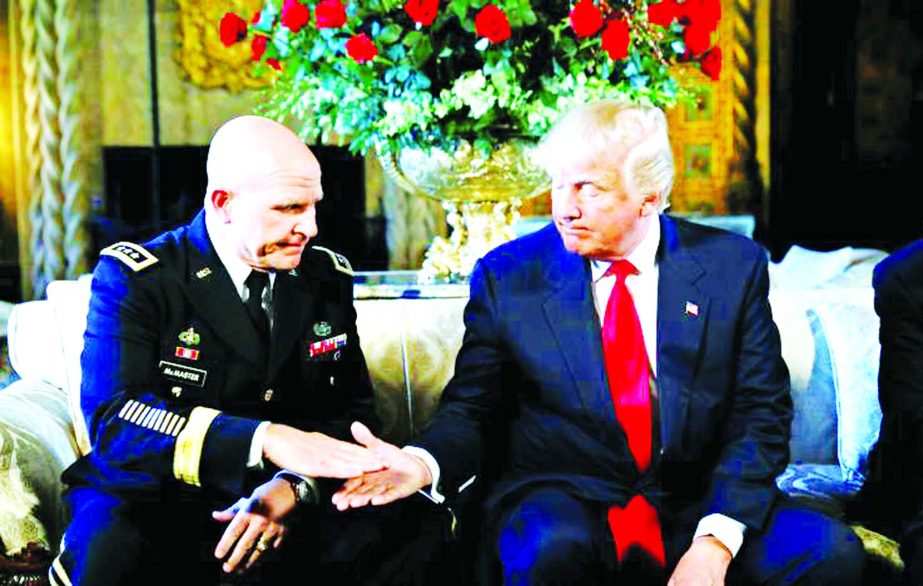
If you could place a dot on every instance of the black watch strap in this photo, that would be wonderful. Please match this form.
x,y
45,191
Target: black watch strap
x,y
305,492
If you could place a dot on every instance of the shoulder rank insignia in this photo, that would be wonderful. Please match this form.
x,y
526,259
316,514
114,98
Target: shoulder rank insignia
x,y
135,256
339,261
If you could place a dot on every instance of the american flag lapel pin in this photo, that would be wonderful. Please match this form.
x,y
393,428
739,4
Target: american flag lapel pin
x,y
692,310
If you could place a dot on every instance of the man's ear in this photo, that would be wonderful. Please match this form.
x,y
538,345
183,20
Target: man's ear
x,y
221,201
650,204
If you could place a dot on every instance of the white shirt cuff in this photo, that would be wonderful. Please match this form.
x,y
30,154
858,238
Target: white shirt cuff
x,y
428,459
726,530
255,459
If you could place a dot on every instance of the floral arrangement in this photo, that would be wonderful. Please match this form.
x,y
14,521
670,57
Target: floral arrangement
x,y
380,74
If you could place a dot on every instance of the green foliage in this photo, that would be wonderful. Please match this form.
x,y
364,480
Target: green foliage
x,y
434,85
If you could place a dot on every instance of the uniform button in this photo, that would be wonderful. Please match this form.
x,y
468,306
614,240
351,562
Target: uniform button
x,y
332,381
267,395
177,391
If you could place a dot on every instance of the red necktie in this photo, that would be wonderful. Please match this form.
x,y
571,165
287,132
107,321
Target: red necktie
x,y
629,384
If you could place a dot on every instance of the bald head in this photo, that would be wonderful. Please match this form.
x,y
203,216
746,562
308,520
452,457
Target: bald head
x,y
263,183
248,148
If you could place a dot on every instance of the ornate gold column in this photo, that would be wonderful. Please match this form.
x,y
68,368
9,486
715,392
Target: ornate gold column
x,y
57,141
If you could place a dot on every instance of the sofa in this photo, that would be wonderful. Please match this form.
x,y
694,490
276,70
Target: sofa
x,y
410,333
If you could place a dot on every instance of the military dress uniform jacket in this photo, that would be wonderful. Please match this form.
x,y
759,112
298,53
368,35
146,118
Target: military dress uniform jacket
x,y
176,379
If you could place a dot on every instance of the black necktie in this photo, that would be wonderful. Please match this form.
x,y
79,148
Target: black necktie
x,y
256,282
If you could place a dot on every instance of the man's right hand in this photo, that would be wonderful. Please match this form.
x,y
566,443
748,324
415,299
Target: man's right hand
x,y
404,474
317,455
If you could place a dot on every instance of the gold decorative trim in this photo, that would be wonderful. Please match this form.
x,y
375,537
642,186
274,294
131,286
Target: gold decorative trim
x,y
188,451
202,57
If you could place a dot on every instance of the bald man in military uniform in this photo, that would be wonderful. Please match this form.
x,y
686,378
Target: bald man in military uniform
x,y
219,357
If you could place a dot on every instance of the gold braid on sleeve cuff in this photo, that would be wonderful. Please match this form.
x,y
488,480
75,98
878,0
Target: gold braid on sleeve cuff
x,y
188,451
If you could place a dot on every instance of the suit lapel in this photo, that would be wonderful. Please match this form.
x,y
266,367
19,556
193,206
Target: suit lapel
x,y
572,318
682,310
210,290
291,306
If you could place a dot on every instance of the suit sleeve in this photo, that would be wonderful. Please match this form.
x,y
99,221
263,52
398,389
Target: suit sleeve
x,y
757,427
899,304
462,425
140,439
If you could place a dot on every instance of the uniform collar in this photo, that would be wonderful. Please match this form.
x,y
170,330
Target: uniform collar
x,y
237,269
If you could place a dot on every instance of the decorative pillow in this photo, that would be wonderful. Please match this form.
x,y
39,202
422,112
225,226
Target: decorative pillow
x,y
36,445
851,329
805,352
71,300
35,345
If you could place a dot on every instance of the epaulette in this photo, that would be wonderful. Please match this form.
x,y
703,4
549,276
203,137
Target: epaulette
x,y
135,256
339,261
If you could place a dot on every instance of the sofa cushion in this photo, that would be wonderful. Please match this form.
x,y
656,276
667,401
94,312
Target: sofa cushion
x,y
850,327
71,301
36,444
805,351
35,346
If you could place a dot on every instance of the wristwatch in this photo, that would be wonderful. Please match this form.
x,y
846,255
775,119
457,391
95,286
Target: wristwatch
x,y
305,490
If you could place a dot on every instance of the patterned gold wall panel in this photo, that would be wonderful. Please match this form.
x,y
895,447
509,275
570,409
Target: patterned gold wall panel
x,y
201,54
125,83
189,114
721,140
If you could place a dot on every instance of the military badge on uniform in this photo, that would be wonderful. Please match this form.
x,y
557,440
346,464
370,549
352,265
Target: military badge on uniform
x,y
189,337
322,328
187,353
328,345
202,273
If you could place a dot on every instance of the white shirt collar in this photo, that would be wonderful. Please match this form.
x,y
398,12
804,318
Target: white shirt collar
x,y
643,257
237,269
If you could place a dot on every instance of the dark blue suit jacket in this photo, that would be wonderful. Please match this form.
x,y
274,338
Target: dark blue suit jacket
x,y
892,497
530,386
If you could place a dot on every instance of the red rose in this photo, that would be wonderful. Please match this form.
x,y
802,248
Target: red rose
x,y
711,63
697,39
422,12
258,47
704,13
329,14
361,48
615,39
585,18
232,29
491,22
274,63
663,13
295,15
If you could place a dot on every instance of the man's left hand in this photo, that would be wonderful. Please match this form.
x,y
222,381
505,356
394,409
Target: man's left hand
x,y
255,526
705,563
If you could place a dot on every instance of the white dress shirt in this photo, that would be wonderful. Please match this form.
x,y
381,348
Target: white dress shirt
x,y
643,289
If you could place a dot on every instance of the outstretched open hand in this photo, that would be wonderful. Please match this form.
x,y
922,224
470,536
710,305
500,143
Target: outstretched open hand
x,y
402,476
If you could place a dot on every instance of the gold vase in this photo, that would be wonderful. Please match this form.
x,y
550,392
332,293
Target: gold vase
x,y
481,196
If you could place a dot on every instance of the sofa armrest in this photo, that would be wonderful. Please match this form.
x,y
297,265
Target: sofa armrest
x,y
36,444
